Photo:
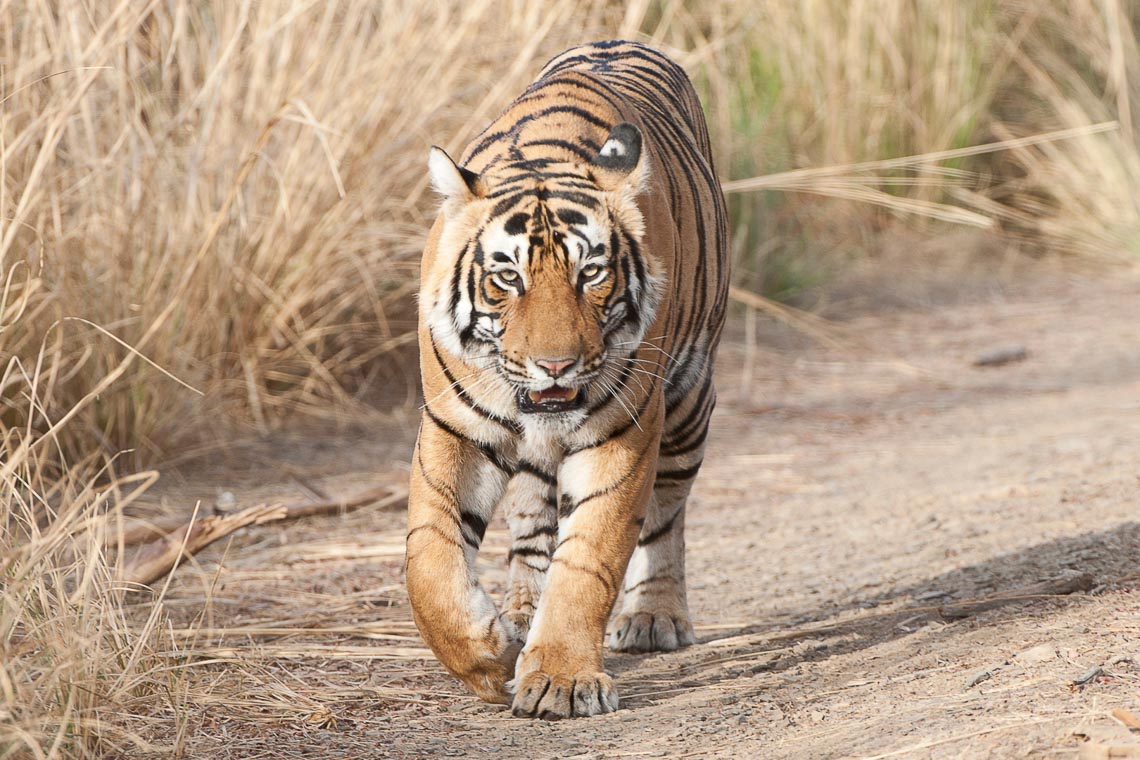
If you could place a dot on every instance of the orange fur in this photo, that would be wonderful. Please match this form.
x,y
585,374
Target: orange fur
x,y
572,295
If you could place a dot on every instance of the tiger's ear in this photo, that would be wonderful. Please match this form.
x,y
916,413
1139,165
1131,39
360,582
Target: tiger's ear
x,y
450,179
621,162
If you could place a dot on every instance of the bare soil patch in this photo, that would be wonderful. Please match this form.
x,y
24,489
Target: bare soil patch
x,y
857,502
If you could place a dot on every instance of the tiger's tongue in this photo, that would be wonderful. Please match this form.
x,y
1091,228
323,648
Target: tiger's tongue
x,y
553,393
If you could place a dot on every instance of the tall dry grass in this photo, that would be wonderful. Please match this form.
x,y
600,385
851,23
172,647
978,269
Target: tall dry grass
x,y
854,115
209,211
211,214
78,676
235,190
1075,64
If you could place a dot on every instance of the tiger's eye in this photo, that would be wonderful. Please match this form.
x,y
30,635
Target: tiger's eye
x,y
591,271
507,275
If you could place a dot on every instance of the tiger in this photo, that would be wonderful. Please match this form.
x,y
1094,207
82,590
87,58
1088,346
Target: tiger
x,y
572,295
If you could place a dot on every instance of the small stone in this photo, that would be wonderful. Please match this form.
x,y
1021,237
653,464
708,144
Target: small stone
x,y
996,357
1088,676
1035,655
224,502
980,676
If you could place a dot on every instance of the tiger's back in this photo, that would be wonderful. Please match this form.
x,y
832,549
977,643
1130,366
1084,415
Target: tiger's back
x,y
572,296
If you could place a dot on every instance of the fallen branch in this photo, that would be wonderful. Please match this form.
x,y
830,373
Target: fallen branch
x,y
1127,719
139,530
1069,582
161,556
158,558
383,496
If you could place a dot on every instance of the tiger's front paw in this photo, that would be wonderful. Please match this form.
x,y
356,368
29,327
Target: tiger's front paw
x,y
552,697
489,677
650,632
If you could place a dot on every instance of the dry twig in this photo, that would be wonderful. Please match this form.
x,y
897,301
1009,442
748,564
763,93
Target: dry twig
x,y
156,559
160,557
1069,582
1130,721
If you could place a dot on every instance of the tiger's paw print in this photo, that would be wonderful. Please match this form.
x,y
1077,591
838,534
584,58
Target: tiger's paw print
x,y
553,697
650,632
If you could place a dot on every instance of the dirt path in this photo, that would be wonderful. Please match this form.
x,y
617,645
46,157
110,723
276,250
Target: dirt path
x,y
850,497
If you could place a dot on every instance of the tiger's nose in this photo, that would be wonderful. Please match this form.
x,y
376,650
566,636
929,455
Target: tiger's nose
x,y
555,367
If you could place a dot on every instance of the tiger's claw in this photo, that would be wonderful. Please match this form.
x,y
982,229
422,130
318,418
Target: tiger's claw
x,y
539,695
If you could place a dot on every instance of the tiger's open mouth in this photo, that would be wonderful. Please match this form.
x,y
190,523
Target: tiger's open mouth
x,y
553,399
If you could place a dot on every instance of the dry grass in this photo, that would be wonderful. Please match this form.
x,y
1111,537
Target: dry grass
x,y
235,193
235,190
1078,65
77,677
853,115
211,215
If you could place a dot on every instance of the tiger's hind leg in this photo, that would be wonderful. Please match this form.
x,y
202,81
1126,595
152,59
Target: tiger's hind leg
x,y
655,611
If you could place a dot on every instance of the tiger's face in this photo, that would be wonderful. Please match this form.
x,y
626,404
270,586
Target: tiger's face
x,y
540,271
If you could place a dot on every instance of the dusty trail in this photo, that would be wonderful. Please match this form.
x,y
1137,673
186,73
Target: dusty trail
x,y
849,495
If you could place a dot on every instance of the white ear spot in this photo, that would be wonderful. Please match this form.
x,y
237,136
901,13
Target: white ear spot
x,y
612,148
620,153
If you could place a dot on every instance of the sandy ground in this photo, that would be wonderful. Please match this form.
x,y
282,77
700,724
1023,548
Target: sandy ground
x,y
856,500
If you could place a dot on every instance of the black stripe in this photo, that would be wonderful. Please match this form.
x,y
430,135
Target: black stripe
x,y
698,413
443,489
663,530
507,186
568,507
531,468
570,216
651,579
611,587
545,530
554,142
486,450
678,449
506,204
524,551
476,524
582,199
686,474
578,81
466,398
516,225
433,529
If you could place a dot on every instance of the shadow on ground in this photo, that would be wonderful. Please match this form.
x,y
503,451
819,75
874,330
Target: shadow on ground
x,y
1111,557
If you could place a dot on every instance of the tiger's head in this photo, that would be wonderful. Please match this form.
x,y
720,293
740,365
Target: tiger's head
x,y
539,266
